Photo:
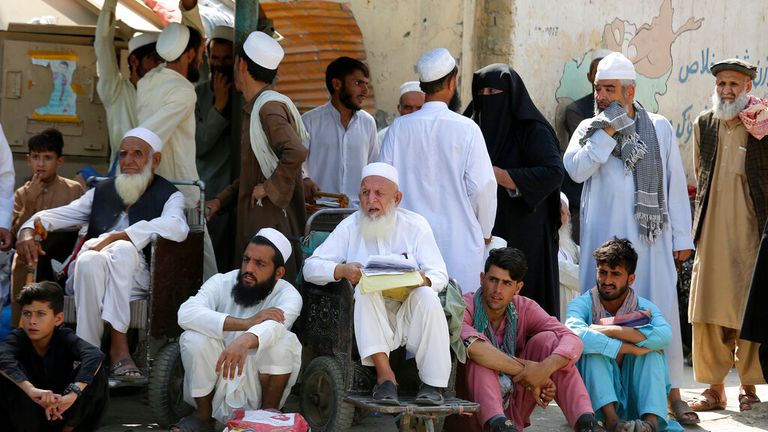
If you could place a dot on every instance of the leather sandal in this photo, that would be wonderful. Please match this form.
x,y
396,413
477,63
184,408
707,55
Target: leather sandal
x,y
709,400
683,413
747,399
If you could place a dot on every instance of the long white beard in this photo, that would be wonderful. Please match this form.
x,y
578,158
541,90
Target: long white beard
x,y
728,110
567,244
130,187
378,227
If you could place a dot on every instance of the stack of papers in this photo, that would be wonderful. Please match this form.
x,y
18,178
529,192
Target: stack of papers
x,y
394,275
388,265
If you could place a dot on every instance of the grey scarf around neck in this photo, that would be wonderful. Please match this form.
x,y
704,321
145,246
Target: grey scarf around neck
x,y
638,149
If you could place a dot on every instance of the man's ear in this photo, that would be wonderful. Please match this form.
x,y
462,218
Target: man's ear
x,y
58,319
519,287
280,272
631,279
336,84
156,158
748,87
398,197
134,62
59,161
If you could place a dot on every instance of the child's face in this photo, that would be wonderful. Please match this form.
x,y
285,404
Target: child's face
x,y
38,320
44,164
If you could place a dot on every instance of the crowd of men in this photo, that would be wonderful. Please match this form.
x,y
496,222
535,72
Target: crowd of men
x,y
590,322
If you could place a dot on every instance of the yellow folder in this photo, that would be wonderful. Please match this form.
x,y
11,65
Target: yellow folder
x,y
394,286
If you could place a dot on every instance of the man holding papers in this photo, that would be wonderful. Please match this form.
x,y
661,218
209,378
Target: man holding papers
x,y
403,241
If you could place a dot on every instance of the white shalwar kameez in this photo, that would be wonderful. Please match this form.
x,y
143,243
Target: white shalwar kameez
x,y
7,179
383,325
104,282
608,209
166,106
447,177
336,156
202,317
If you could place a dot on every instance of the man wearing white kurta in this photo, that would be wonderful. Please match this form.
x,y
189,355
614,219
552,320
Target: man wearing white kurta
x,y
7,178
445,172
111,269
342,136
382,325
411,100
118,94
166,105
609,208
237,347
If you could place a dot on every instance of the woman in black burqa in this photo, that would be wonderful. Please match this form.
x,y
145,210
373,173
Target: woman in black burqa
x,y
523,148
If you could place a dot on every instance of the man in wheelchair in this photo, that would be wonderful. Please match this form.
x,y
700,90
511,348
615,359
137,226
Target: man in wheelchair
x,y
237,347
381,324
111,266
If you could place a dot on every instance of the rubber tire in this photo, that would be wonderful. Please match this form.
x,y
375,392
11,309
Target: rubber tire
x,y
166,386
323,380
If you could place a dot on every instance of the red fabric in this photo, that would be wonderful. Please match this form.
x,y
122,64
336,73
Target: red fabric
x,y
755,116
266,421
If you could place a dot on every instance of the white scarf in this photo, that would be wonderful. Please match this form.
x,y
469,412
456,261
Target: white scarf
x,y
259,143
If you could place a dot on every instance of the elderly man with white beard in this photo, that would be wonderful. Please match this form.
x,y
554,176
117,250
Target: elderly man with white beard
x,y
730,154
567,258
382,325
111,268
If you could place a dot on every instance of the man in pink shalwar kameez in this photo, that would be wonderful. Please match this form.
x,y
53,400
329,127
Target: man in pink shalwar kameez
x,y
511,372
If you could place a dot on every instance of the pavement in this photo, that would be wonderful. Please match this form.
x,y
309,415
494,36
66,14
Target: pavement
x,y
129,412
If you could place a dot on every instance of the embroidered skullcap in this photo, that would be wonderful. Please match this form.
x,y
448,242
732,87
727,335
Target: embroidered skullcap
x,y
263,50
735,64
410,86
223,32
141,39
615,66
382,169
147,136
435,64
172,41
600,53
278,240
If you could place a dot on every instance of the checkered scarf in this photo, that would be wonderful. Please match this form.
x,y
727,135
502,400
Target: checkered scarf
x,y
638,149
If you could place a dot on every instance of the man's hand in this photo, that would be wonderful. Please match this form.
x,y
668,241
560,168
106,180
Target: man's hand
x,y
349,271
682,255
534,376
609,330
258,193
310,190
631,349
273,314
27,248
45,398
211,208
610,130
109,239
221,88
503,178
546,394
232,359
65,402
6,239
424,280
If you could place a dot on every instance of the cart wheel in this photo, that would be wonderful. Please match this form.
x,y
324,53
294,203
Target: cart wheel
x,y
166,386
322,396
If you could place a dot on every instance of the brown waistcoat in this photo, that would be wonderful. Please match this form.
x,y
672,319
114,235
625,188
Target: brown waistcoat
x,y
755,166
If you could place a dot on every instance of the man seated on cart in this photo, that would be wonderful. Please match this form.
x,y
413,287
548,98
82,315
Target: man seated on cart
x,y
382,325
237,347
111,267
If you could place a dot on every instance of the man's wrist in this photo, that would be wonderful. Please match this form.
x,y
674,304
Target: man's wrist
x,y
26,234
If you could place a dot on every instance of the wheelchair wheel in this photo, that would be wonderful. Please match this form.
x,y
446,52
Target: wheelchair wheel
x,y
166,386
322,396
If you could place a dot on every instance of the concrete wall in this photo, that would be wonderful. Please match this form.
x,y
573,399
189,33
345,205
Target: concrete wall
x,y
66,12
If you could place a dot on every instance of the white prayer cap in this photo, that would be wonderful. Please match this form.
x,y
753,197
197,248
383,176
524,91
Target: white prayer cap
x,y
147,136
382,169
223,32
141,39
172,41
564,199
600,53
263,50
410,86
435,64
615,66
278,240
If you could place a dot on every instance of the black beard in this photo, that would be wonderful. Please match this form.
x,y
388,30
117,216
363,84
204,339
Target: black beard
x,y
247,295
346,99
455,103
193,73
614,296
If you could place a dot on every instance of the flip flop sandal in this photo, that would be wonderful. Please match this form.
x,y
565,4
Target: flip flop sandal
x,y
746,400
192,423
644,426
680,411
709,400
121,369
386,393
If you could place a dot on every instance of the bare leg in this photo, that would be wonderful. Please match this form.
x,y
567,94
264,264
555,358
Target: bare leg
x,y
119,349
384,370
272,389
611,417
652,420
204,410
674,399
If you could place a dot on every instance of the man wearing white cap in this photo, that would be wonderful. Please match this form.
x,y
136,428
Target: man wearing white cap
x,y
445,172
634,188
111,268
118,94
382,325
237,348
342,136
268,192
411,100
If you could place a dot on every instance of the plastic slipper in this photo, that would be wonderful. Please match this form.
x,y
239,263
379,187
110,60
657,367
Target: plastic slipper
x,y
125,370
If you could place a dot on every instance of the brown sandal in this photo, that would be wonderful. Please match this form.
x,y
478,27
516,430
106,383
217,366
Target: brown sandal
x,y
747,399
709,400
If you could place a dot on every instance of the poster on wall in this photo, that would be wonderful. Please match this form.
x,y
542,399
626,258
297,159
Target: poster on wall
x,y
62,102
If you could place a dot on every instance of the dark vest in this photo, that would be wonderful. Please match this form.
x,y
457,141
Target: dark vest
x,y
107,205
755,166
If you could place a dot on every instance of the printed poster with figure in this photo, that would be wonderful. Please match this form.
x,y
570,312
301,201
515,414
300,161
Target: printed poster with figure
x,y
62,103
